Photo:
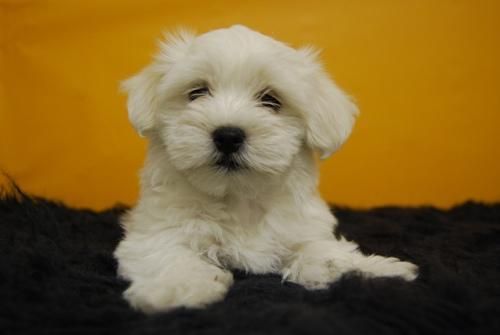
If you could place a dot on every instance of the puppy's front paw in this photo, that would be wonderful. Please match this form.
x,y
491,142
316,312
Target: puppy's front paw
x,y
313,275
163,295
378,266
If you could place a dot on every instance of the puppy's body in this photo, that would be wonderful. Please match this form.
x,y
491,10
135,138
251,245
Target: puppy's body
x,y
249,202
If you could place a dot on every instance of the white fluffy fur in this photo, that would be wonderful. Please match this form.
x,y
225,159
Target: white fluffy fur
x,y
193,222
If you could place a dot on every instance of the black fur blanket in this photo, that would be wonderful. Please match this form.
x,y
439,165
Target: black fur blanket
x,y
57,276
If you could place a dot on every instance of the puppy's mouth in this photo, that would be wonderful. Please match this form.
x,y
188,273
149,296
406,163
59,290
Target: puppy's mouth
x,y
229,163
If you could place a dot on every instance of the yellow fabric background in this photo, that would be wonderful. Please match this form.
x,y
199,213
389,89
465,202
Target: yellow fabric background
x,y
425,73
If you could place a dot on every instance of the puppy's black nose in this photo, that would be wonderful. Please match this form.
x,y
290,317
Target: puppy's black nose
x,y
228,140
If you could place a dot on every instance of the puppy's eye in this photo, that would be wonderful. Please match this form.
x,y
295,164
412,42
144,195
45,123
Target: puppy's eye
x,y
198,92
269,101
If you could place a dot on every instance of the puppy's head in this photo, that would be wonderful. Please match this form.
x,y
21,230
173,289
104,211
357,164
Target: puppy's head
x,y
233,106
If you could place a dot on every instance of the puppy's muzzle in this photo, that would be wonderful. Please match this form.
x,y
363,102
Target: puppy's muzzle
x,y
228,140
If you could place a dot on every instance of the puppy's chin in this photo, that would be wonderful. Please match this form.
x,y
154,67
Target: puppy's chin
x,y
229,164
229,177
246,174
221,181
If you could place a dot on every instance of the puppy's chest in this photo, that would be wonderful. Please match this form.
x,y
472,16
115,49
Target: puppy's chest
x,y
243,222
244,239
245,214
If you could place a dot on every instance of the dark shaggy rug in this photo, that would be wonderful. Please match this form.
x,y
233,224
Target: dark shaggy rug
x,y
57,276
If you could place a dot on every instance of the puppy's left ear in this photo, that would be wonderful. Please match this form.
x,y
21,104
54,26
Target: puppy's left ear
x,y
331,113
142,98
142,88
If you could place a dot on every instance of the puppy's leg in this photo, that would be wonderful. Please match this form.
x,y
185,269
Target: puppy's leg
x,y
316,264
165,277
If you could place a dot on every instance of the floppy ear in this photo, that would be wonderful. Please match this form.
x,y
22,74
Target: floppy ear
x,y
142,98
330,115
142,89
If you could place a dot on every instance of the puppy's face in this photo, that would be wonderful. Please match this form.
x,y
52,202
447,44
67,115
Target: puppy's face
x,y
233,107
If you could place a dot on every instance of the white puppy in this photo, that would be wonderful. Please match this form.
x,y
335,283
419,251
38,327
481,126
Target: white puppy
x,y
230,182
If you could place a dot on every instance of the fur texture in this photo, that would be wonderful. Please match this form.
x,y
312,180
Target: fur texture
x,y
59,277
204,211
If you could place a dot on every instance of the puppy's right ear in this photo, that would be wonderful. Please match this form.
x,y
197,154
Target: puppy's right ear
x,y
142,98
330,113
142,89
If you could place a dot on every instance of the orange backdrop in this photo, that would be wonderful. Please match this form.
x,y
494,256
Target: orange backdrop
x,y
425,73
